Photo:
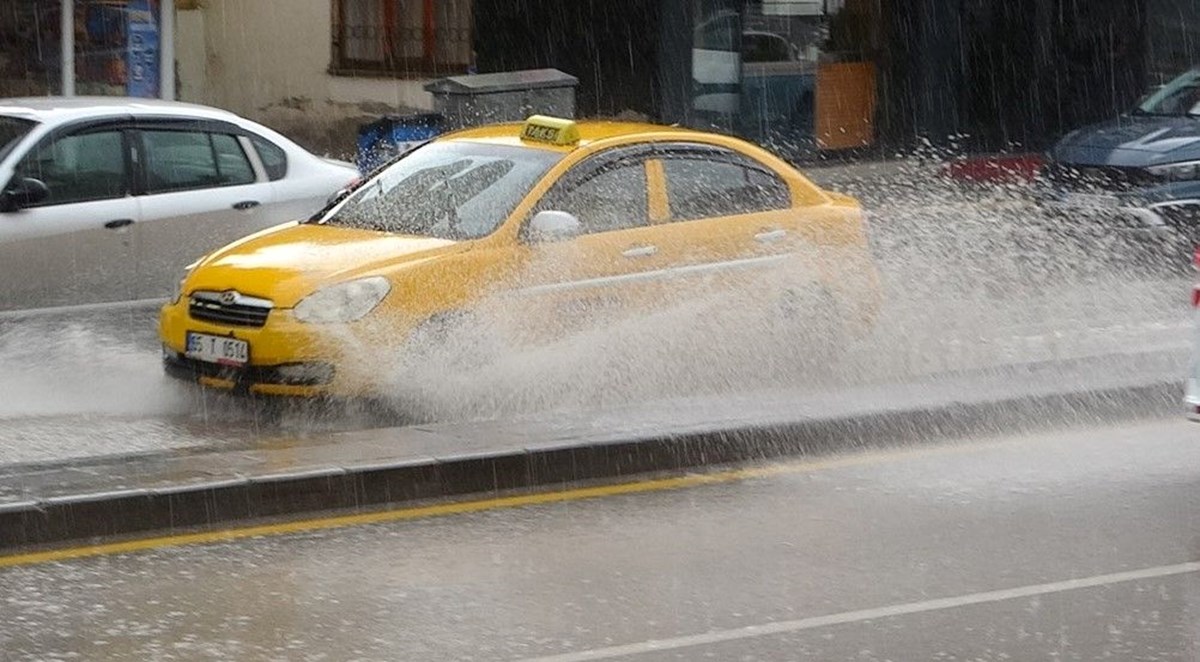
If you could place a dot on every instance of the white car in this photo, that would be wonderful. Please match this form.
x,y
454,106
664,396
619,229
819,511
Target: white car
x,y
107,199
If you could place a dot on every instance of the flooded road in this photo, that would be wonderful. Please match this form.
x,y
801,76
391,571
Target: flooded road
x,y
971,279
1075,544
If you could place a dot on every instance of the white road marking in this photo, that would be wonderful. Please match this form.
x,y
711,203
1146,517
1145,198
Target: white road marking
x,y
780,627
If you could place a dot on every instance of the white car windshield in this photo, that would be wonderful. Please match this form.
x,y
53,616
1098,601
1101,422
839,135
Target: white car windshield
x,y
449,190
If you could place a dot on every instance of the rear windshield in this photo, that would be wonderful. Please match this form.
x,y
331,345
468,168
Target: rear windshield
x,y
448,190
12,129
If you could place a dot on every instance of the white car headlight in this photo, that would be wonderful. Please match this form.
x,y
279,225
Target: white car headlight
x,y
1182,171
344,302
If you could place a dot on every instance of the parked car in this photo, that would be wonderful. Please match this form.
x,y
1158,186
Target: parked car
x,y
555,221
1141,170
105,199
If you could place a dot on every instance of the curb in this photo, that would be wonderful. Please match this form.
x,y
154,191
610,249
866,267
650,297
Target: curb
x,y
371,487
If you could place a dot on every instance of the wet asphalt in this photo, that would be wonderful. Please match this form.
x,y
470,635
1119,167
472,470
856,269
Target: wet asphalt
x,y
981,549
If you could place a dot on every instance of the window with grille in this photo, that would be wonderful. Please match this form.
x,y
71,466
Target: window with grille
x,y
402,37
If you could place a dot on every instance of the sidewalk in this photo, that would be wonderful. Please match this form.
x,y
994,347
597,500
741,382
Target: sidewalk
x,y
48,503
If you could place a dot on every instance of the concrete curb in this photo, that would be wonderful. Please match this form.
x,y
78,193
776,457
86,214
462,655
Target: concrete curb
x,y
225,502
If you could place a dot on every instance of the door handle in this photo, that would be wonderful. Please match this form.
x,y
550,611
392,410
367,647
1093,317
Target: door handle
x,y
245,204
119,223
640,251
768,236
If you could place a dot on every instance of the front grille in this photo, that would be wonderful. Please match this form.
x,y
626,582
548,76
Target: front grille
x,y
1106,179
229,307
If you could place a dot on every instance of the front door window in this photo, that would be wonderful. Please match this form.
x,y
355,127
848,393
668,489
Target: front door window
x,y
79,168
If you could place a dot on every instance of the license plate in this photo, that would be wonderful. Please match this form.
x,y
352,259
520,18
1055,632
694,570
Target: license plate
x,y
1091,200
217,349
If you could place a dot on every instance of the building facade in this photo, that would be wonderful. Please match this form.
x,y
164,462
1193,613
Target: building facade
x,y
811,78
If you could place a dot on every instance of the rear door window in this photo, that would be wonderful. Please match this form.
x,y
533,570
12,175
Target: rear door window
x,y
709,183
185,160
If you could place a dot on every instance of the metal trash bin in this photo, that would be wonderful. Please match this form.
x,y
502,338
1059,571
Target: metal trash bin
x,y
390,135
509,96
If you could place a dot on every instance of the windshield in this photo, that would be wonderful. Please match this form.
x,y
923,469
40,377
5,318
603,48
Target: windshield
x,y
448,190
1178,97
12,129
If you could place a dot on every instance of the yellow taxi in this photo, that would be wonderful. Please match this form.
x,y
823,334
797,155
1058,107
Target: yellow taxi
x,y
551,217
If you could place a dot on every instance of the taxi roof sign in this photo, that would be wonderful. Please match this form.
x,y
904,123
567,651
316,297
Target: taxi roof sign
x,y
553,130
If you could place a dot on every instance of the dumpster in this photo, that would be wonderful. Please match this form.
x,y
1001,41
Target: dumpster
x,y
509,96
391,135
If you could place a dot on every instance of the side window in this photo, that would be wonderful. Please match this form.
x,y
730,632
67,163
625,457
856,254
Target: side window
x,y
611,197
232,163
182,160
706,184
273,158
79,167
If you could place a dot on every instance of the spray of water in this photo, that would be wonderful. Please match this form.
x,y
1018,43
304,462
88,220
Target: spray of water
x,y
971,278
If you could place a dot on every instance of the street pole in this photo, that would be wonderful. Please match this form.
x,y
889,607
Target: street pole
x,y
166,50
67,46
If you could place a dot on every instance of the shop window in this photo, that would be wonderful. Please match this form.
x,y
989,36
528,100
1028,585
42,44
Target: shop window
x,y
402,37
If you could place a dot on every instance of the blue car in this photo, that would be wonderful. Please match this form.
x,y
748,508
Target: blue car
x,y
1141,170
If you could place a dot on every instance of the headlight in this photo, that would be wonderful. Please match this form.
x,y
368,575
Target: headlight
x,y
178,291
1182,171
344,302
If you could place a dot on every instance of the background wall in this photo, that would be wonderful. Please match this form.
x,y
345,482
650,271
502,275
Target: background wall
x,y
269,60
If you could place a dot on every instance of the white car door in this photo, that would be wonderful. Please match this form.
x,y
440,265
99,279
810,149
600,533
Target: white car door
x,y
75,246
201,190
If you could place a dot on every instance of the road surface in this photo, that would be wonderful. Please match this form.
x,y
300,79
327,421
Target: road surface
x,y
1079,544
970,279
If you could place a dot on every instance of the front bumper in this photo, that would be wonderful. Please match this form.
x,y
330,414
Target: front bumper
x,y
287,357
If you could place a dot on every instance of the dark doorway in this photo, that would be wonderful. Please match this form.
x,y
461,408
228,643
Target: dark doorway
x,y
611,47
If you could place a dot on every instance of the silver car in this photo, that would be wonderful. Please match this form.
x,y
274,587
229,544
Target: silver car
x,y
107,199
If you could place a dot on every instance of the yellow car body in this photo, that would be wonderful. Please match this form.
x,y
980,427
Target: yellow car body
x,y
238,321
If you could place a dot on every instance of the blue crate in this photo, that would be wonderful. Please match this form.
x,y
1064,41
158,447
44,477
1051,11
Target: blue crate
x,y
390,135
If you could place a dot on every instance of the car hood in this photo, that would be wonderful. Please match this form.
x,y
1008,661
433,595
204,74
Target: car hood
x,y
289,262
1133,141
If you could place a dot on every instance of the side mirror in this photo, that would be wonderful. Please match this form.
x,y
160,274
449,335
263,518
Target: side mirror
x,y
23,193
548,226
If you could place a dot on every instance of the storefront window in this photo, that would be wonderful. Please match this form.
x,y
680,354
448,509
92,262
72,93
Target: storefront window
x,y
797,75
716,62
116,47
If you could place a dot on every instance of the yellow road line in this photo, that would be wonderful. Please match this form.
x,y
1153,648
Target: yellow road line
x,y
462,507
